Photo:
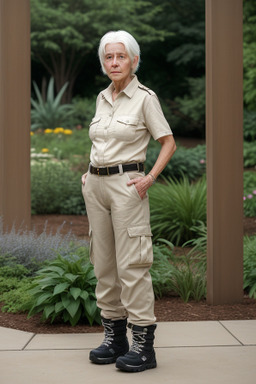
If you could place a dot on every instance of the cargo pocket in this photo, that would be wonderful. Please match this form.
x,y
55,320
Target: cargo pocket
x,y
91,246
140,250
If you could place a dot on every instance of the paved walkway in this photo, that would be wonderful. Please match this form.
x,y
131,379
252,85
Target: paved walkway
x,y
207,352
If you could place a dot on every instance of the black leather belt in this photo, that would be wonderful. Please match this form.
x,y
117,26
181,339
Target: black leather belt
x,y
106,171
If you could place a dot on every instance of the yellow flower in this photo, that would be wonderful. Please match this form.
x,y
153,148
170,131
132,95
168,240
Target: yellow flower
x,y
58,130
68,131
44,150
48,130
31,133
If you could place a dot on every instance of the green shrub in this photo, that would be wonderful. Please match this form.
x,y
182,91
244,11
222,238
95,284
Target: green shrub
x,y
249,125
14,294
84,110
250,265
184,276
249,194
161,270
14,282
65,289
186,161
249,154
56,189
50,113
175,208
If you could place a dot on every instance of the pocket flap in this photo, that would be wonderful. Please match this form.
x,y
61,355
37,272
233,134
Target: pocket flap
x,y
95,120
129,120
141,230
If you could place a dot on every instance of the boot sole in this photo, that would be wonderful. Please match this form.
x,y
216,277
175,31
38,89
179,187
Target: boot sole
x,y
132,368
102,360
106,360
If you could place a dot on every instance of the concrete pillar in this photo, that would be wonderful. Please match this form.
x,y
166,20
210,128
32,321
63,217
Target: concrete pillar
x,y
224,139
15,112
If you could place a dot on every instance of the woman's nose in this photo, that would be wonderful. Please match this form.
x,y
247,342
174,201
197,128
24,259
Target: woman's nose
x,y
114,62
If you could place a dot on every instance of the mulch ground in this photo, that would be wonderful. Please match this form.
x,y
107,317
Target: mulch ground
x,y
166,309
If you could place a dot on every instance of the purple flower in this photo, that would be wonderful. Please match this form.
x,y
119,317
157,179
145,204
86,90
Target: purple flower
x,y
202,161
244,198
250,196
254,192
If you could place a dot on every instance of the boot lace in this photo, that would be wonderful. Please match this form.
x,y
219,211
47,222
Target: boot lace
x,y
109,335
138,341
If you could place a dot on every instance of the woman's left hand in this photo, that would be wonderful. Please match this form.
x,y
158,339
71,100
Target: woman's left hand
x,y
142,184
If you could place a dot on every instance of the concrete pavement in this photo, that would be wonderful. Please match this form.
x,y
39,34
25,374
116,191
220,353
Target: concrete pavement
x,y
207,352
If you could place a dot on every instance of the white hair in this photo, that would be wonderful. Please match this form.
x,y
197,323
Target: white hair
x,y
129,42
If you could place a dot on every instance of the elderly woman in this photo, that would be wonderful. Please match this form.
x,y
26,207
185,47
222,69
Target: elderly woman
x,y
115,193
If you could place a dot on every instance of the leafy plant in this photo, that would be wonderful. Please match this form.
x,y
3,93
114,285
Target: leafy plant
x,y
249,194
249,125
189,280
249,154
14,294
50,113
55,188
189,162
250,265
176,207
66,289
161,270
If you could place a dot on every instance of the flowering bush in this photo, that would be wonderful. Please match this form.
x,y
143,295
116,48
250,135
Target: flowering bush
x,y
249,194
250,204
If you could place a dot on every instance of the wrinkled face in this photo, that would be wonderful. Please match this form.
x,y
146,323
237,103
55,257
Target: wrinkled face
x,y
117,63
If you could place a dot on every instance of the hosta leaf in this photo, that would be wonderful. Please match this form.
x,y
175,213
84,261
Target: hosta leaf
x,y
74,320
71,277
49,309
60,288
56,269
73,307
43,298
75,292
91,307
66,300
59,307
84,295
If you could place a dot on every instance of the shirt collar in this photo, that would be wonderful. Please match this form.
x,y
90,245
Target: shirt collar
x,y
129,90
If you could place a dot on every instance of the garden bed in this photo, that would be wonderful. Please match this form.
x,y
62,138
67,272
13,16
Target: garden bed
x,y
166,309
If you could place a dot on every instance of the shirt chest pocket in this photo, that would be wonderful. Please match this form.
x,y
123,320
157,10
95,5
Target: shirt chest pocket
x,y
124,128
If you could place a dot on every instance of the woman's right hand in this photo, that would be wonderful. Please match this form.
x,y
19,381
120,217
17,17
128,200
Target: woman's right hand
x,y
83,178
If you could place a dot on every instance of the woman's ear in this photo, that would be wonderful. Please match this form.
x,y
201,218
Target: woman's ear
x,y
135,62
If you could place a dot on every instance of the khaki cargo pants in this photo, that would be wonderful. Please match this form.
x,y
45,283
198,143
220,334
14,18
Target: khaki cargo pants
x,y
120,247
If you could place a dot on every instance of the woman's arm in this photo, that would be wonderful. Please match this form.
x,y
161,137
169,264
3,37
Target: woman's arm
x,y
168,147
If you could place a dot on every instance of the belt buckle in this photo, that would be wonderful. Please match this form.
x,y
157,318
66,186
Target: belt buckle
x,y
98,171
107,171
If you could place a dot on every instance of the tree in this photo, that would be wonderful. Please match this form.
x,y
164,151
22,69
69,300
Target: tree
x,y
65,32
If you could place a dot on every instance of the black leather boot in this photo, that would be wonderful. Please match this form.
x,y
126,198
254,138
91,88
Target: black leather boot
x,y
115,343
141,355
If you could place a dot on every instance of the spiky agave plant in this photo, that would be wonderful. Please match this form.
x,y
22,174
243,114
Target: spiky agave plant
x,y
50,113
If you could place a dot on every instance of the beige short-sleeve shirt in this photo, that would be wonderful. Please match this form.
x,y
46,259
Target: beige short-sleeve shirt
x,y
120,130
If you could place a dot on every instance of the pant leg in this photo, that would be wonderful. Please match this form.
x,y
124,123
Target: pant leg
x,y
103,253
134,253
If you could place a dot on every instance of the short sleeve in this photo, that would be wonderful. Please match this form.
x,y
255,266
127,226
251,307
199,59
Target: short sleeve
x,y
155,121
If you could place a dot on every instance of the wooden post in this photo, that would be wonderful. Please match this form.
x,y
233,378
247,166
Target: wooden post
x,y
15,113
224,139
